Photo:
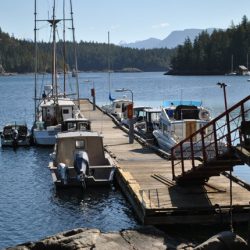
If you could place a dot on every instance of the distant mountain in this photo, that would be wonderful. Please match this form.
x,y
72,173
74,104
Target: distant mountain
x,y
174,39
145,44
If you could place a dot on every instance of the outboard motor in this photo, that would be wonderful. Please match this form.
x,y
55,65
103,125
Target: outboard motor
x,y
81,164
15,137
63,173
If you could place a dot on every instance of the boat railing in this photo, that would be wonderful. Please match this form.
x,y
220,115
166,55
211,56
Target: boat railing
x,y
213,141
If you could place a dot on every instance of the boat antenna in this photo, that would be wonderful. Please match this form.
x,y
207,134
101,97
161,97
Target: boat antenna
x,y
35,90
109,71
64,52
75,55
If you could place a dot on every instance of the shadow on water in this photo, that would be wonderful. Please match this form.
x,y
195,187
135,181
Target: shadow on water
x,y
78,195
200,233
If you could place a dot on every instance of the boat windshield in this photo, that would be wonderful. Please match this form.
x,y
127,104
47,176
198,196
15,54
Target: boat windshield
x,y
186,112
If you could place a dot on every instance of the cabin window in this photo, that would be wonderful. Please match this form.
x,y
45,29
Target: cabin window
x,y
83,126
65,111
71,126
80,144
117,106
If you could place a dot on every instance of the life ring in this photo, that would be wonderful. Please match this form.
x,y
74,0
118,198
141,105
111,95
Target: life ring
x,y
204,115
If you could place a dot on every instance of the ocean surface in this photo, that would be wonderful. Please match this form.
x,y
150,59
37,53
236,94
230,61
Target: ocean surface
x,y
30,208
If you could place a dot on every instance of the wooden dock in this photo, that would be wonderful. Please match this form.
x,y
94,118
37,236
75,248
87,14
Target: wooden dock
x,y
146,180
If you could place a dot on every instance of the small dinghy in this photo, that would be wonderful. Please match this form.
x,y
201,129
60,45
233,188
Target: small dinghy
x,y
14,135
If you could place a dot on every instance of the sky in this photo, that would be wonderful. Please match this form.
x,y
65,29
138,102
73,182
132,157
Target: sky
x,y
126,20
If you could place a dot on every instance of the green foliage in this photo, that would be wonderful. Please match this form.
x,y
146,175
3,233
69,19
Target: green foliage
x,y
211,54
18,56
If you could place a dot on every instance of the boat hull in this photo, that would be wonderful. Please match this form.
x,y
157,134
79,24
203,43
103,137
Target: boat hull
x,y
99,176
45,137
11,143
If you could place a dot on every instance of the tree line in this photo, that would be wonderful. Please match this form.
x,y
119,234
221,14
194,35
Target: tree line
x,y
208,54
211,54
19,56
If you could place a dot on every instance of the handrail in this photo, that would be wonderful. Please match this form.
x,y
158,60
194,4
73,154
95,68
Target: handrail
x,y
212,144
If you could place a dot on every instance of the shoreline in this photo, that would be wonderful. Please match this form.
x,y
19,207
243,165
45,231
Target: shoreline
x,y
145,237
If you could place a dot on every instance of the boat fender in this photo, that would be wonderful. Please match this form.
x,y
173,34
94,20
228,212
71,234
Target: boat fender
x,y
204,115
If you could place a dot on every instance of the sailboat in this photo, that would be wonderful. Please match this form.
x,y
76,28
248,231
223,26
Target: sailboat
x,y
54,107
232,73
117,107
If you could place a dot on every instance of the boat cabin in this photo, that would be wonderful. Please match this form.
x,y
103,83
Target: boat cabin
x,y
178,120
79,160
80,124
152,117
68,144
53,114
119,108
139,115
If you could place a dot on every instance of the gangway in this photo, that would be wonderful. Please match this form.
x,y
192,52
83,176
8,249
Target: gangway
x,y
225,143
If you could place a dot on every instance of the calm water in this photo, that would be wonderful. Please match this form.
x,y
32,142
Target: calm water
x,y
29,206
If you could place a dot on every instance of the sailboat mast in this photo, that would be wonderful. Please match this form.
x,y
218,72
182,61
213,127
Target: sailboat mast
x,y
64,52
247,61
35,90
75,55
109,63
54,78
232,63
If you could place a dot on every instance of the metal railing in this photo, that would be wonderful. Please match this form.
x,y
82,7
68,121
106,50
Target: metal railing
x,y
214,140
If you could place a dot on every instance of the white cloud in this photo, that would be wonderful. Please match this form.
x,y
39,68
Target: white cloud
x,y
160,26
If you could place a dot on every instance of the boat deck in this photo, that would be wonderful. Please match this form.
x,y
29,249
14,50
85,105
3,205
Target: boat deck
x,y
146,180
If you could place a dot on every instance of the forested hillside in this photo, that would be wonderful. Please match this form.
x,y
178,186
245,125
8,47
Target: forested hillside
x,y
18,56
211,54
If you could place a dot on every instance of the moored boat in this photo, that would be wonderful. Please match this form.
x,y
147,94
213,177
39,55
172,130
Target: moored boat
x,y
178,120
139,115
56,104
14,135
79,160
149,123
117,108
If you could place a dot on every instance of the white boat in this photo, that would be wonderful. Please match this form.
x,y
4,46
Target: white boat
x,y
79,160
118,108
54,106
14,135
51,115
178,120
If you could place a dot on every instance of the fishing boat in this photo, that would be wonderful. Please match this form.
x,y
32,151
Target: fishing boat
x,y
79,160
178,120
54,105
139,115
145,127
14,135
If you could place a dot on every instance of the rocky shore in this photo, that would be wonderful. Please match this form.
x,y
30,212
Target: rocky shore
x,y
144,238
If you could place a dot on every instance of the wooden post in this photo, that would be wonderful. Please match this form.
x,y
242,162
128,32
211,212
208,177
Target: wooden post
x,y
131,125
192,151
